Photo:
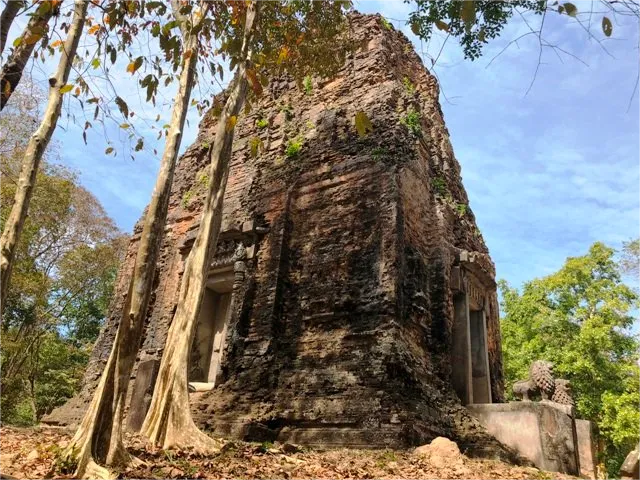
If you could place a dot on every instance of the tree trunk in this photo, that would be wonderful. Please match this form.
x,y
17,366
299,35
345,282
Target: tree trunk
x,y
14,66
169,422
99,437
6,19
36,147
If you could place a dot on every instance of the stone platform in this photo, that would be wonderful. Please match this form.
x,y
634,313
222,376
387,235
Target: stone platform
x,y
545,432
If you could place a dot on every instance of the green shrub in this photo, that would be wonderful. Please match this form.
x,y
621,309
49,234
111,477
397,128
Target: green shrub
x,y
386,23
461,208
262,123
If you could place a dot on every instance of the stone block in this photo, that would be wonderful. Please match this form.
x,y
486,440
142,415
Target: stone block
x,y
631,466
543,432
142,392
587,452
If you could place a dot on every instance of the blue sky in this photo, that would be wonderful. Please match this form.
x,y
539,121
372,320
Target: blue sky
x,y
547,172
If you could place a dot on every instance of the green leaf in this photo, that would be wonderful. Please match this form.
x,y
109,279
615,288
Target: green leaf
x,y
139,145
17,42
95,63
108,150
124,126
363,124
607,26
66,88
571,9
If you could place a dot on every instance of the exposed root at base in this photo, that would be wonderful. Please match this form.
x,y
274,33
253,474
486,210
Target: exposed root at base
x,y
87,467
193,440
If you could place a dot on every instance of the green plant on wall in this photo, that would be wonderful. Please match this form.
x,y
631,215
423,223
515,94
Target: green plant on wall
x,y
386,23
255,146
293,147
307,84
440,186
186,198
461,208
262,123
288,111
408,86
202,179
378,153
411,120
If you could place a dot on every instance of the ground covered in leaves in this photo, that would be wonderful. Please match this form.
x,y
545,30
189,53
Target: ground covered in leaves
x,y
31,453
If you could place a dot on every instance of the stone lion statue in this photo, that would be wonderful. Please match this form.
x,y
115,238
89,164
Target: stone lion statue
x,y
562,393
540,381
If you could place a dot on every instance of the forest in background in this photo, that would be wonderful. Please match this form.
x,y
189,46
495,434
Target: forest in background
x,y
63,277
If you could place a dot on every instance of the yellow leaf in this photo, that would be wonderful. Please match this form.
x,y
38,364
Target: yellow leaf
x,y
571,9
93,30
415,27
77,91
135,65
363,124
56,44
255,145
66,88
231,123
284,54
442,25
468,14
255,83
32,38
607,26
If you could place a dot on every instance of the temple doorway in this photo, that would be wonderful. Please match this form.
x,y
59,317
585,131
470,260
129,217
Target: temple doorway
x,y
470,373
209,340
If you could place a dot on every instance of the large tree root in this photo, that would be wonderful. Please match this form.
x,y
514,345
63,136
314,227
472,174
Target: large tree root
x,y
87,445
168,422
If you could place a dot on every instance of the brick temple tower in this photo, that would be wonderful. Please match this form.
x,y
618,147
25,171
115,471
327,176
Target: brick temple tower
x,y
352,299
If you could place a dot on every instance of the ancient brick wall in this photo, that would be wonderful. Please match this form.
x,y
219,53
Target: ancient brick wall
x,y
341,329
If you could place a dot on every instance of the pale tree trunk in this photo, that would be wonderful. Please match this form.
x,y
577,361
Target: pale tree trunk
x,y
169,422
35,149
99,437
14,66
9,13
